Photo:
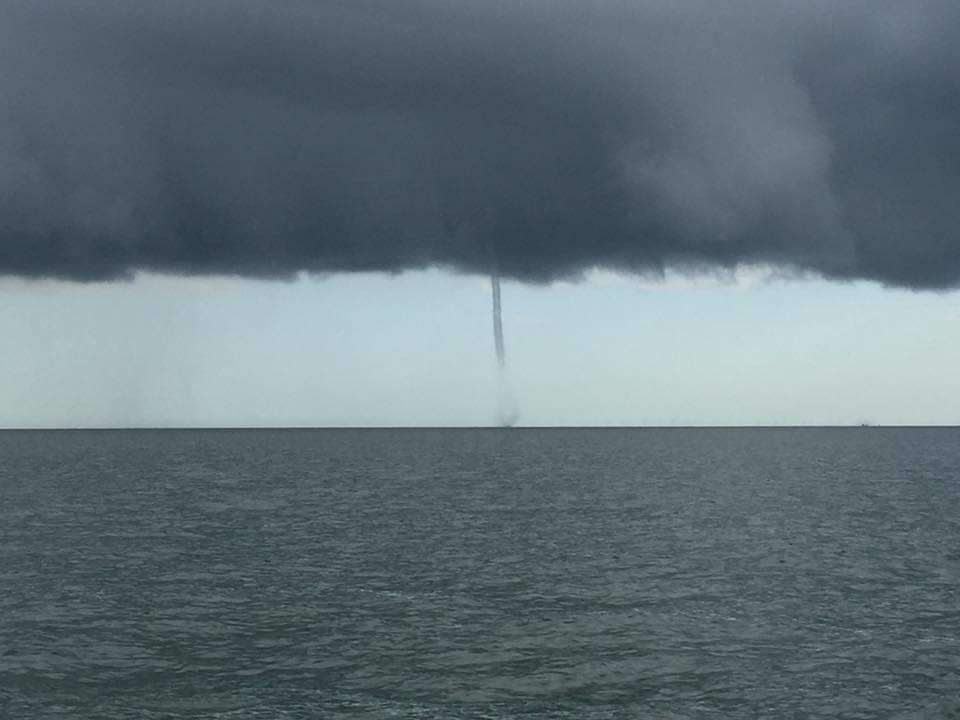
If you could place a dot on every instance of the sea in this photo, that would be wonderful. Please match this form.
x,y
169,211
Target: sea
x,y
480,573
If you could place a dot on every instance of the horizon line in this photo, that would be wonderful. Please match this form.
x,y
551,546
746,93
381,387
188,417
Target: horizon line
x,y
201,428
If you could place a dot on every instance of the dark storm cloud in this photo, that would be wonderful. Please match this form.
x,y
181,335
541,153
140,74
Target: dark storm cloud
x,y
264,138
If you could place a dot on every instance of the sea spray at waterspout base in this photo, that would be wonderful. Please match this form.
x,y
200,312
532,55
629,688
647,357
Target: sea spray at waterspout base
x,y
507,412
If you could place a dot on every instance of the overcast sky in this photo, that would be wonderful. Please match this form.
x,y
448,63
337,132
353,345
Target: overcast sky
x,y
240,212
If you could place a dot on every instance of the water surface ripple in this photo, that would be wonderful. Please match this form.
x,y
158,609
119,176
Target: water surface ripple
x,y
781,573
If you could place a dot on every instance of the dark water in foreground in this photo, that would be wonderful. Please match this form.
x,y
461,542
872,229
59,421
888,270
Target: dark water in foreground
x,y
480,574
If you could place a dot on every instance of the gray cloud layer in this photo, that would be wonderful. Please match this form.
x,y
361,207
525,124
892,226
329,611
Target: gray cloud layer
x,y
263,138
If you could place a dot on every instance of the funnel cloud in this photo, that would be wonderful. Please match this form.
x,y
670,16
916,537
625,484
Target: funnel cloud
x,y
498,322
507,413
264,139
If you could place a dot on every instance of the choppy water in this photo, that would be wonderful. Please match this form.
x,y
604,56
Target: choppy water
x,y
480,574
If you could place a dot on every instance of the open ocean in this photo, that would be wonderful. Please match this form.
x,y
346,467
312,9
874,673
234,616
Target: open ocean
x,y
528,573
